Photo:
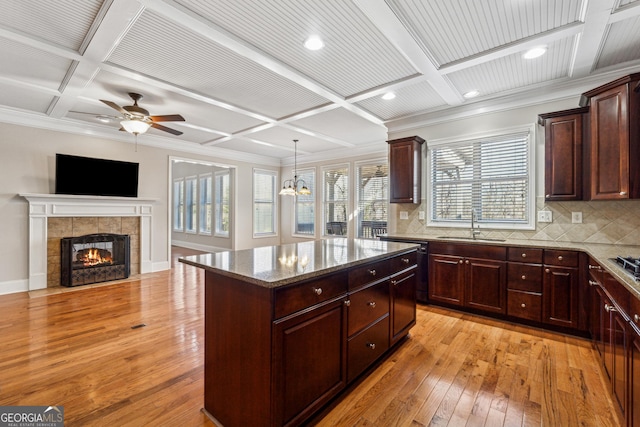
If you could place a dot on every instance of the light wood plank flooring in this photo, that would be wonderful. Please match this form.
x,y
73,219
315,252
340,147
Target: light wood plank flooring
x,y
78,349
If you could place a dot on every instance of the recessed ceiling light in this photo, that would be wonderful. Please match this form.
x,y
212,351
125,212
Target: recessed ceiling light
x,y
471,94
535,52
389,95
314,43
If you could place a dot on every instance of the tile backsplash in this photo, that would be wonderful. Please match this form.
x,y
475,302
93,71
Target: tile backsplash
x,y
612,222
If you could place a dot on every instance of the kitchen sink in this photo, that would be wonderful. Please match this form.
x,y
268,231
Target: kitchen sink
x,y
481,239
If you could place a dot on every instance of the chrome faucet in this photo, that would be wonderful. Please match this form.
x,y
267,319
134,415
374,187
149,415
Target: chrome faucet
x,y
474,218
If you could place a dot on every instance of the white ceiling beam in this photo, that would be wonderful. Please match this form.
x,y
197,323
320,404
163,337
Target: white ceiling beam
x,y
589,43
632,10
379,12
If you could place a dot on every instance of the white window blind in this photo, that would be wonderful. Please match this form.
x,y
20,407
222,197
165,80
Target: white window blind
x,y
222,207
335,182
178,205
264,202
205,204
373,199
191,206
489,176
305,205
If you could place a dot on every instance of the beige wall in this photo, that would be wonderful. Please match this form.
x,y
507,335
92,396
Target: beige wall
x,y
603,221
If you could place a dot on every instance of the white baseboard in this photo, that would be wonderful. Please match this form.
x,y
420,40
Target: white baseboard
x,y
160,266
14,286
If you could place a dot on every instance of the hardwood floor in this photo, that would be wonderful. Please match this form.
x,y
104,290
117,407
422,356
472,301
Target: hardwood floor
x,y
81,349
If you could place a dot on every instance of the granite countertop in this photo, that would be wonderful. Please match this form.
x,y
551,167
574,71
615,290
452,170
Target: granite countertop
x,y
273,266
600,252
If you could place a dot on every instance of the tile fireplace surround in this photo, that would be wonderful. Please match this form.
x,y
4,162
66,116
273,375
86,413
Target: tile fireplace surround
x,y
43,207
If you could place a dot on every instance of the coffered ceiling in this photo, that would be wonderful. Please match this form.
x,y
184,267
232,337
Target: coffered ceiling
x,y
239,73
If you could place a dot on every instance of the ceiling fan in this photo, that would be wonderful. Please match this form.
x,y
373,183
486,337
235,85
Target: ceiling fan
x,y
137,120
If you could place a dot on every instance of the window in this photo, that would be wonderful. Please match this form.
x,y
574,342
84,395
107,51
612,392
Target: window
x,y
372,199
223,189
190,204
264,202
335,182
204,204
178,205
304,206
489,177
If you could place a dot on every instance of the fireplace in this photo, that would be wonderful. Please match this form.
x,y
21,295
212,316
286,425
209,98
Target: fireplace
x,y
94,258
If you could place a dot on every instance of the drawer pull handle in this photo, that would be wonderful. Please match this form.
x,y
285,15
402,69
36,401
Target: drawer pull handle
x,y
523,305
524,255
371,345
347,302
559,257
371,304
394,282
524,277
594,267
623,193
636,318
609,308
317,291
460,261
592,283
405,260
466,261
546,270
372,272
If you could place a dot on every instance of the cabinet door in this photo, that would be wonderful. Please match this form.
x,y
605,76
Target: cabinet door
x,y
403,304
634,380
309,359
404,170
610,144
559,296
619,358
563,158
486,285
446,275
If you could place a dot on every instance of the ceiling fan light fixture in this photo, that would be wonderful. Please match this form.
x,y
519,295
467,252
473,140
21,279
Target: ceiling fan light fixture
x,y
134,126
535,52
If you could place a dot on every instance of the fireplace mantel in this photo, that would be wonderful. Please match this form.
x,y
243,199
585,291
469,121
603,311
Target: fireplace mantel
x,y
44,206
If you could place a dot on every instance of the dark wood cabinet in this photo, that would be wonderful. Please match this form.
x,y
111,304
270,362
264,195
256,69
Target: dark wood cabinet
x,y
564,135
560,293
634,364
309,361
524,283
614,131
472,276
403,303
405,167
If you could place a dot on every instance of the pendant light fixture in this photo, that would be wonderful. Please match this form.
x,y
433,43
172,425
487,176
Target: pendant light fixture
x,y
295,186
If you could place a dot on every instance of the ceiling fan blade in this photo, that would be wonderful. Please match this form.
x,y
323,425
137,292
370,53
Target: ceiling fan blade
x,y
115,107
167,118
166,129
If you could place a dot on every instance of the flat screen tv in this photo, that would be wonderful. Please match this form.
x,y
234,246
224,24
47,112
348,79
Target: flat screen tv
x,y
95,177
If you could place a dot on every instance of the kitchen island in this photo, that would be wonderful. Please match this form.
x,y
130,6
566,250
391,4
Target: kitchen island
x,y
288,327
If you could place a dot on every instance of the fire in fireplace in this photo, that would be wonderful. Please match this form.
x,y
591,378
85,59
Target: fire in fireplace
x,y
94,258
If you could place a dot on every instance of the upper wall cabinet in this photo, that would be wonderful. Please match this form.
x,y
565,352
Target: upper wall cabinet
x,y
614,143
564,133
405,166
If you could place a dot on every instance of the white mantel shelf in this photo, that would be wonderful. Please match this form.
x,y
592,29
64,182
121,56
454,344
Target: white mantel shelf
x,y
43,206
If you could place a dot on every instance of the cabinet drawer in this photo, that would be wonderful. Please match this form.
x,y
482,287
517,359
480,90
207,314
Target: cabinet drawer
x,y
367,305
364,348
635,312
524,277
561,258
525,305
369,273
300,296
528,255
402,262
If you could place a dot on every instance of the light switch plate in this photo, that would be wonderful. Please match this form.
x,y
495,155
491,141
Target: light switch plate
x,y
404,215
576,217
544,216
421,215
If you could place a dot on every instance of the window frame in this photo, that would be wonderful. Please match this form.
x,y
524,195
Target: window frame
x,y
178,205
216,220
194,205
357,187
274,201
347,201
202,205
311,184
467,139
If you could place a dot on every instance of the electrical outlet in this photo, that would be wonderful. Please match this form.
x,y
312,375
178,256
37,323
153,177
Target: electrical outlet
x,y
404,215
544,216
576,217
421,215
